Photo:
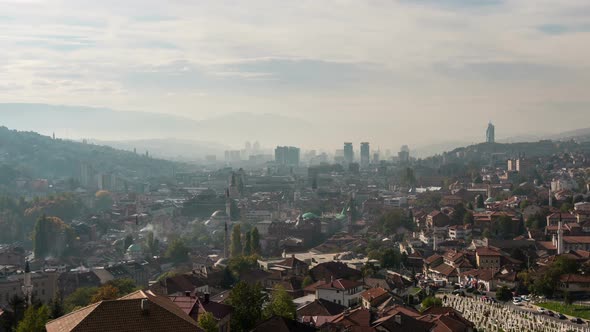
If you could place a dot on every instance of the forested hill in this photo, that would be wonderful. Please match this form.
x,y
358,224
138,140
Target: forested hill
x,y
31,155
529,149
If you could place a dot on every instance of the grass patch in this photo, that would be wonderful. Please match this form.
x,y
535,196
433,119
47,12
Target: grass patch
x,y
574,310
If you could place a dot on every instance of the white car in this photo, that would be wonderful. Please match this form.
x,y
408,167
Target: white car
x,y
541,310
517,303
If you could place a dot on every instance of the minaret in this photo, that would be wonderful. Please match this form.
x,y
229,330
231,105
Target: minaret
x,y
28,285
434,244
550,198
560,249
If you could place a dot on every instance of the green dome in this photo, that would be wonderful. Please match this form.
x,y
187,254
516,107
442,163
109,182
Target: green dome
x,y
310,215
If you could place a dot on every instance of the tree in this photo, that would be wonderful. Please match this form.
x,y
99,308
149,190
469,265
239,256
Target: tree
x,y
281,304
431,301
236,241
177,251
479,203
255,241
391,221
124,286
51,237
106,292
57,308
34,319
207,322
306,281
104,200
248,244
503,294
247,301
390,258
468,218
79,298
567,298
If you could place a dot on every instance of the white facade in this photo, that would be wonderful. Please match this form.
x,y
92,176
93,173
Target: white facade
x,y
346,297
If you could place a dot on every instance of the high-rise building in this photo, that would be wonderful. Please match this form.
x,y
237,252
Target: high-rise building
x,y
287,155
348,153
365,154
404,154
491,133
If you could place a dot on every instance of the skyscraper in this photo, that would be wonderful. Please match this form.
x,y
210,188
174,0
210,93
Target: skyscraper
x,y
491,133
287,155
348,153
404,154
365,154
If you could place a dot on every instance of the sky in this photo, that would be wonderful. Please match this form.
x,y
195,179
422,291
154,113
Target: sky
x,y
390,72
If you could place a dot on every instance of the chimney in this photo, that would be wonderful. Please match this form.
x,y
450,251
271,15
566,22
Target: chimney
x,y
206,298
145,306
398,319
187,293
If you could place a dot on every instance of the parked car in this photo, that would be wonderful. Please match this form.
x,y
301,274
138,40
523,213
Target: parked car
x,y
561,316
577,320
549,313
541,310
517,303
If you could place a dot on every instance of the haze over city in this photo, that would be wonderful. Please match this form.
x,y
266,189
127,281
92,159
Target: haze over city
x,y
320,72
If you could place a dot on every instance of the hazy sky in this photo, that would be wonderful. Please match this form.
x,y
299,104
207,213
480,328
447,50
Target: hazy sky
x,y
408,71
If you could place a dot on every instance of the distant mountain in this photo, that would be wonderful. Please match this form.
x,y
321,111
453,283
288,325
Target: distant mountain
x,y
31,155
168,148
106,124
582,135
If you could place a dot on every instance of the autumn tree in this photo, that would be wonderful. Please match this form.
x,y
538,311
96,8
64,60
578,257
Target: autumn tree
x,y
106,292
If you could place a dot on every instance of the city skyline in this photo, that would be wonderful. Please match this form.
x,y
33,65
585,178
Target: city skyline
x,y
379,70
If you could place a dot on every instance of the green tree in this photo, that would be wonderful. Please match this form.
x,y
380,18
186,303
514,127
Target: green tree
x,y
236,241
479,203
390,258
306,281
177,251
248,244
503,294
431,301
57,308
51,237
567,298
468,218
391,221
281,304
124,286
247,301
207,322
34,319
40,241
255,241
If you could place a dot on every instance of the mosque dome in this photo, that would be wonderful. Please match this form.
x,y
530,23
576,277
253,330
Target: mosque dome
x,y
310,215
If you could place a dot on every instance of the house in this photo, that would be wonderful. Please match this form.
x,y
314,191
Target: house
x,y
195,306
574,283
281,324
374,297
488,257
334,270
437,218
320,307
180,285
341,291
138,311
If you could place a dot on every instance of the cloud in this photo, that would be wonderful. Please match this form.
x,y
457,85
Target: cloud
x,y
386,59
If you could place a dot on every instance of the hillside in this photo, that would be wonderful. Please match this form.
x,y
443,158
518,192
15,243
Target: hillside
x,y
32,155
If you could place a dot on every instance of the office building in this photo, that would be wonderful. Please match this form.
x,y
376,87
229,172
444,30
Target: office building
x,y
365,154
491,133
287,155
348,153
